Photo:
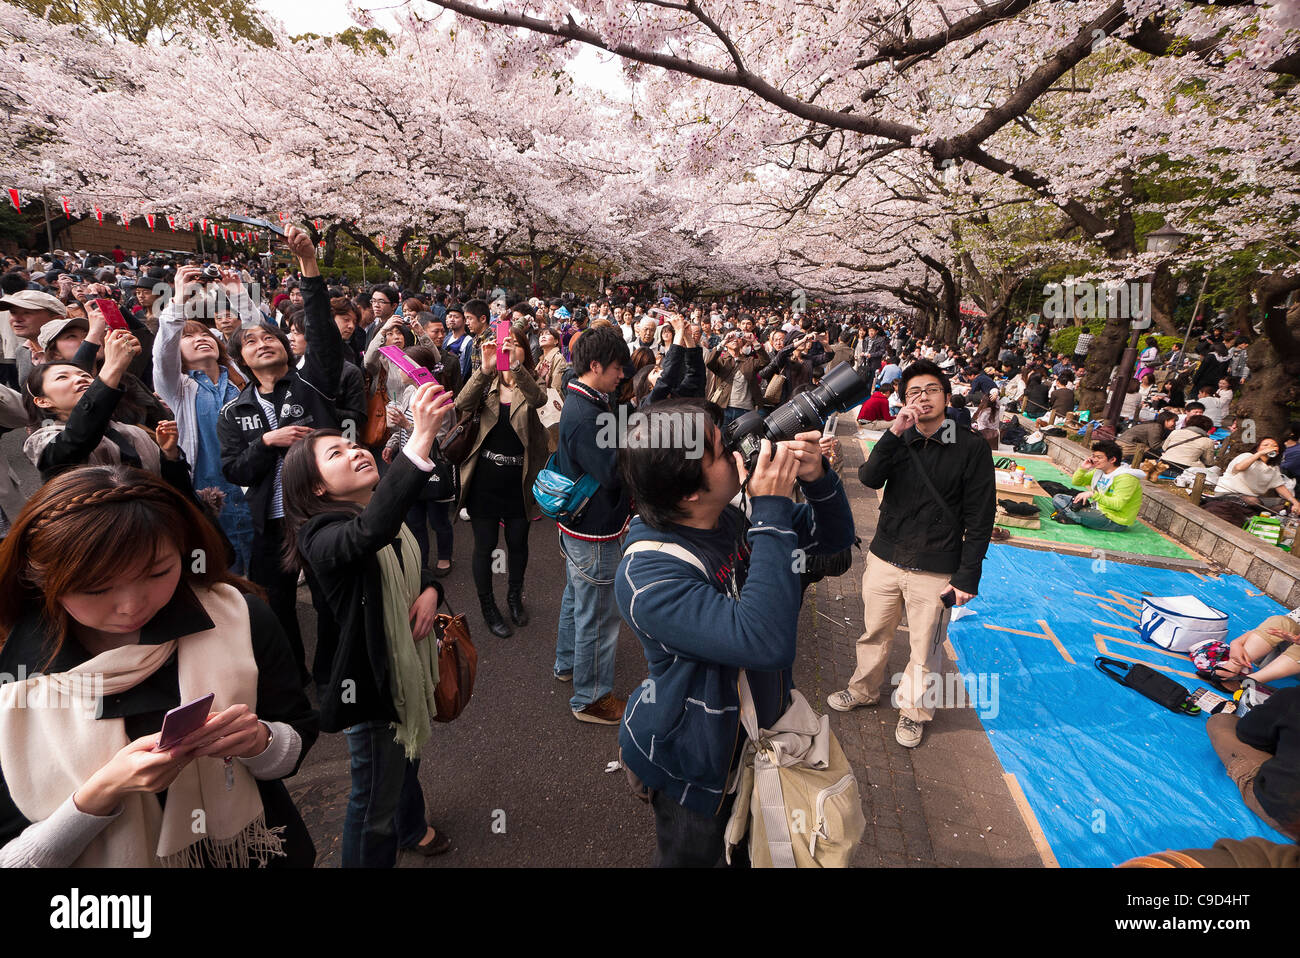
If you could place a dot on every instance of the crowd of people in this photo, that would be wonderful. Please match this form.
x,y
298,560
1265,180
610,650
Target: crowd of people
x,y
248,446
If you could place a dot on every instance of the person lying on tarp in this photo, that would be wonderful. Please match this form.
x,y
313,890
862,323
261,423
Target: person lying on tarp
x,y
1269,651
1113,497
1261,753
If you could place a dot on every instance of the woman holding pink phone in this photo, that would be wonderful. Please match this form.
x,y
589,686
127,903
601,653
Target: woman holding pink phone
x,y
496,478
345,525
113,587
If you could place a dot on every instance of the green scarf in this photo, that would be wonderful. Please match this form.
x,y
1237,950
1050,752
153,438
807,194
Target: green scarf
x,y
412,665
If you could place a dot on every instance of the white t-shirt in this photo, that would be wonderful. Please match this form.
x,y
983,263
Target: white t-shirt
x,y
1259,479
1215,408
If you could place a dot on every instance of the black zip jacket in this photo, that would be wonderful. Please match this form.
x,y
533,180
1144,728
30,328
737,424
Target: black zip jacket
x,y
303,397
914,530
340,550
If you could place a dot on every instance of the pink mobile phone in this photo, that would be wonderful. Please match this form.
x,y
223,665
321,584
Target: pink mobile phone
x,y
503,354
418,373
113,317
183,720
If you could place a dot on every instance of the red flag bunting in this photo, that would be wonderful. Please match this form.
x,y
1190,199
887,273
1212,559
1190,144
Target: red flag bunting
x,y
66,212
13,198
150,219
99,214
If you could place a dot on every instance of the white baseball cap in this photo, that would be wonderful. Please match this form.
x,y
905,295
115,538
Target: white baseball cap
x,y
34,299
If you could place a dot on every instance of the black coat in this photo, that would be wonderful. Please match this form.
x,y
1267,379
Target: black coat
x,y
340,549
279,699
306,397
915,531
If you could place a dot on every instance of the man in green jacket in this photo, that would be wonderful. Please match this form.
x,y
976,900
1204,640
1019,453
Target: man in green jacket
x,y
1112,499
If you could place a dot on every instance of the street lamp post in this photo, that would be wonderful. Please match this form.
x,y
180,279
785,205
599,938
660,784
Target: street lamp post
x,y
1165,240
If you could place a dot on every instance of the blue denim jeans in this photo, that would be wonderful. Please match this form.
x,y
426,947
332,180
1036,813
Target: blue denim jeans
x,y
731,414
688,839
386,808
1088,516
589,621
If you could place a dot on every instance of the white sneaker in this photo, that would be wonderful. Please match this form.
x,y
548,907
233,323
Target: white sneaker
x,y
464,515
908,734
846,701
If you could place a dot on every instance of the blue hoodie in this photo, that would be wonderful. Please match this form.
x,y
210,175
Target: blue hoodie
x,y
681,730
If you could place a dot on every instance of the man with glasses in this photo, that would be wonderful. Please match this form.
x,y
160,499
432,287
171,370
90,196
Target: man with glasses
x,y
383,301
934,528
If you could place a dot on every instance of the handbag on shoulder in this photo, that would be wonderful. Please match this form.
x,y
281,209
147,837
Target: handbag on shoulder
x,y
376,416
459,442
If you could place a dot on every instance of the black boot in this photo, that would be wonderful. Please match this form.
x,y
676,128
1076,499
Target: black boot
x,y
496,623
515,601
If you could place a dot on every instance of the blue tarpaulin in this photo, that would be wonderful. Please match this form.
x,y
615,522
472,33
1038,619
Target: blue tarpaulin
x,y
1108,773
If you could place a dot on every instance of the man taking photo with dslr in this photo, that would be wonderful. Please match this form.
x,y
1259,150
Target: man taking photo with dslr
x,y
709,590
934,528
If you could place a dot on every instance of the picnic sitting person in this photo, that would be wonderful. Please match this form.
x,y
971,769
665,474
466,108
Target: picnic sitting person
x,y
1112,499
1255,476
1189,446
1261,753
1152,435
874,413
1278,634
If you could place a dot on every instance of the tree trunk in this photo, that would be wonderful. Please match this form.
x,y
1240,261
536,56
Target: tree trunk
x,y
1103,355
1164,298
1274,361
999,313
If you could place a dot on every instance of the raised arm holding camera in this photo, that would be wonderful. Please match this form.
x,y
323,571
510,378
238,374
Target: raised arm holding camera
x,y
710,591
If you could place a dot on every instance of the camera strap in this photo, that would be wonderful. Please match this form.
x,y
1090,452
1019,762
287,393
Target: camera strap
x,y
925,478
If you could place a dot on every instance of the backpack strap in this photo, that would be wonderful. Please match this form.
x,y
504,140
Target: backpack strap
x,y
669,548
768,794
767,778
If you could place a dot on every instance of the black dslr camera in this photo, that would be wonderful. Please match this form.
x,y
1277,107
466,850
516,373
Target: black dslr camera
x,y
210,273
841,389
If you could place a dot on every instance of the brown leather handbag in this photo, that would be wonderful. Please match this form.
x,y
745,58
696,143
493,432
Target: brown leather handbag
x,y
459,442
457,666
376,417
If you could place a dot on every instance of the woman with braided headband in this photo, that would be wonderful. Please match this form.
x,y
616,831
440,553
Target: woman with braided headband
x,y
115,588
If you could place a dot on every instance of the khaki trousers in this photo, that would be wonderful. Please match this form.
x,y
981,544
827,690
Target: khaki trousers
x,y
886,591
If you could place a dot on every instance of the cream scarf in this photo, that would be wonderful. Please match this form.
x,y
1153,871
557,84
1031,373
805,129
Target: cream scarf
x,y
412,665
48,751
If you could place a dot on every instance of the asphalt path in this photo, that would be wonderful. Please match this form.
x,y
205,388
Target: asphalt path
x,y
516,780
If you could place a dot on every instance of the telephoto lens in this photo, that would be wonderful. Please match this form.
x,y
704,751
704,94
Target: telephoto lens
x,y
839,390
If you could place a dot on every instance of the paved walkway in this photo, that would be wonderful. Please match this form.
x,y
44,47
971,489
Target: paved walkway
x,y
517,781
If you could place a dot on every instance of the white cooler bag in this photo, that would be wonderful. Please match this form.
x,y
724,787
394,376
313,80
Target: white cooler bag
x,y
1179,622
